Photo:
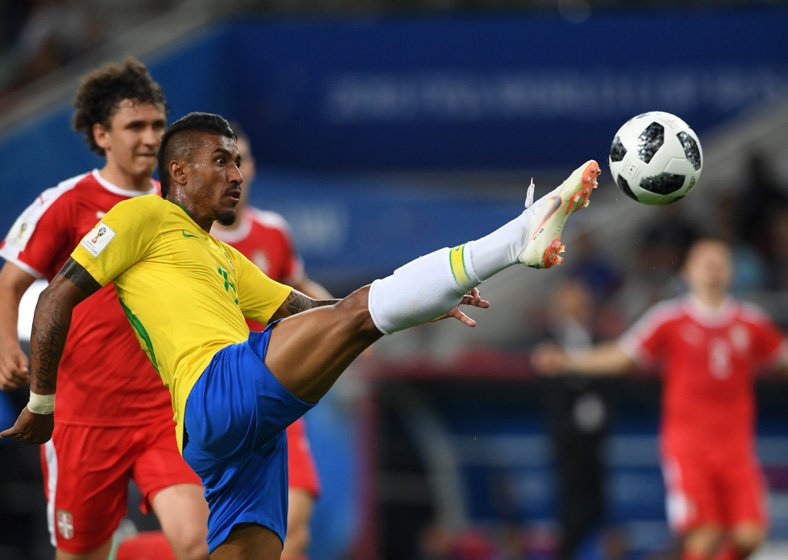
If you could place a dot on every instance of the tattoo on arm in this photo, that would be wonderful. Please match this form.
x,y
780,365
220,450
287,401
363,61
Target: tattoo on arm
x,y
46,344
52,320
297,302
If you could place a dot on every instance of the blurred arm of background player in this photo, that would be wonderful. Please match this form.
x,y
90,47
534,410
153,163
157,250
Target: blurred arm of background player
x,y
14,365
605,359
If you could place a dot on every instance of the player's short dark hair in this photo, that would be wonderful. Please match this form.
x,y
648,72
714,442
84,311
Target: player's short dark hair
x,y
102,90
175,145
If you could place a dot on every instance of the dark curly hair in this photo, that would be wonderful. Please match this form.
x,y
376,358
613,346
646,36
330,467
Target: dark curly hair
x,y
177,142
102,90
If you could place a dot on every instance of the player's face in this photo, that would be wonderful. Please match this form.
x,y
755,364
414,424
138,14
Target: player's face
x,y
131,142
709,267
214,187
248,168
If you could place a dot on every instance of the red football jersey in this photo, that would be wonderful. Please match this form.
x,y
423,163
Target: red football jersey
x,y
104,378
709,358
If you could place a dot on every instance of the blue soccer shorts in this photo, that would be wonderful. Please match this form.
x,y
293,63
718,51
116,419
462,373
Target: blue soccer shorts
x,y
234,438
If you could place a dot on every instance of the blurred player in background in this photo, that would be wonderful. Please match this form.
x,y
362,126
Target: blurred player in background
x,y
709,345
577,416
187,295
114,417
264,238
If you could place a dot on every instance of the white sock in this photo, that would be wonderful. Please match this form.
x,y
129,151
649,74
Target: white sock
x,y
433,284
421,290
498,250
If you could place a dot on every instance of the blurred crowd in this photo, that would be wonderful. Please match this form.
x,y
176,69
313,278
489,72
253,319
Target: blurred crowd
x,y
40,36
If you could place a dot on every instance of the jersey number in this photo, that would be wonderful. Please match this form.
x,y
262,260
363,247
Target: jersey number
x,y
720,358
228,285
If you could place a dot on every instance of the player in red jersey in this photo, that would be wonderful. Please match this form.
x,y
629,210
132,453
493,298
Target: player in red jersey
x,y
114,417
264,237
708,345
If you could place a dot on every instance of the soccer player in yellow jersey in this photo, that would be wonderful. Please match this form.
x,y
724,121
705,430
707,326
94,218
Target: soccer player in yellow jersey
x,y
187,295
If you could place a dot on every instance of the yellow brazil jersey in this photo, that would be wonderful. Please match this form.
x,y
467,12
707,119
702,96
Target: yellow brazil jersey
x,y
185,292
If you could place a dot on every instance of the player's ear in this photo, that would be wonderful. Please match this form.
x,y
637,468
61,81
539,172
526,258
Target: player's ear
x,y
100,135
178,171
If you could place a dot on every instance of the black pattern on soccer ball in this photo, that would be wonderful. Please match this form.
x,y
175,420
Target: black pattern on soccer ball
x,y
664,183
650,140
691,149
624,186
617,150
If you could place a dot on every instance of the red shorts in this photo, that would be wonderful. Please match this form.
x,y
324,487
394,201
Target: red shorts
x,y
86,475
301,470
723,489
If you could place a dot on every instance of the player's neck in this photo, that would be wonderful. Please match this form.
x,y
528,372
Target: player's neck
x,y
117,177
711,299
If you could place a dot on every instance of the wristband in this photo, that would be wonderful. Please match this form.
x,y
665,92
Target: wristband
x,y
41,404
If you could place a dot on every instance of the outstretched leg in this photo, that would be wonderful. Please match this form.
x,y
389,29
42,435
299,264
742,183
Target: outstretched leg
x,y
308,351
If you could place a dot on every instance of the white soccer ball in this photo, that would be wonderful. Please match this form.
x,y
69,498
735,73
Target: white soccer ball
x,y
656,158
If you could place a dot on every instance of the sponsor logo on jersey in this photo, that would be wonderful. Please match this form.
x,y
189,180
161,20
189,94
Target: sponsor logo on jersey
x,y
65,524
20,233
187,234
97,239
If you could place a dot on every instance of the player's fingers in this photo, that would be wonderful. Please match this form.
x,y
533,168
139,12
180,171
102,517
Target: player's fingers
x,y
9,433
15,383
462,317
475,302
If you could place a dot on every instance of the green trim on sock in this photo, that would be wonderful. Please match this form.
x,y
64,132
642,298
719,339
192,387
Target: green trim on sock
x,y
457,265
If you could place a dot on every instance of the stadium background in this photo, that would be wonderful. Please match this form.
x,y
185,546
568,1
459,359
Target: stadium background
x,y
383,131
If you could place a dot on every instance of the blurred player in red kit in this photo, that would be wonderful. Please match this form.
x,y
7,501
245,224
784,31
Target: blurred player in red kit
x,y
264,238
708,345
114,416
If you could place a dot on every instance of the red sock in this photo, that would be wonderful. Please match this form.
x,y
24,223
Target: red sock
x,y
148,545
685,555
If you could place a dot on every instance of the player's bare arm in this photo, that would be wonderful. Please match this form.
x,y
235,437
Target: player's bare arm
x,y
52,320
297,302
14,365
50,328
604,359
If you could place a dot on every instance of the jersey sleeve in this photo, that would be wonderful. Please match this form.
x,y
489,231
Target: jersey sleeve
x,y
645,340
42,236
290,267
294,265
119,240
258,296
769,343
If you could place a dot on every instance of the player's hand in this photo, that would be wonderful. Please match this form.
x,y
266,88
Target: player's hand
x,y
472,298
31,428
548,359
14,370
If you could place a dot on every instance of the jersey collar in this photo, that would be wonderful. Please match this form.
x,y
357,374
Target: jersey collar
x,y
710,316
112,187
